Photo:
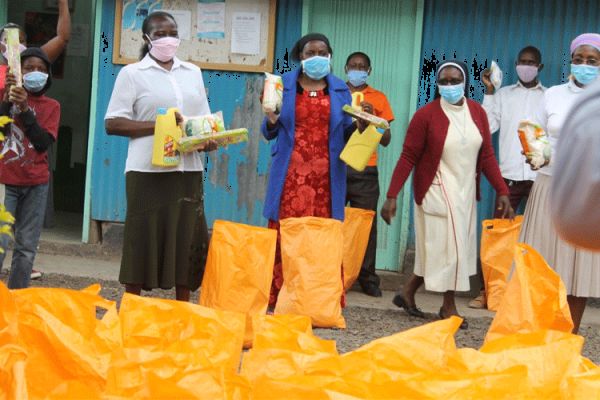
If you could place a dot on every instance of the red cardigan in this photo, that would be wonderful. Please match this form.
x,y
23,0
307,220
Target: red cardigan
x,y
424,145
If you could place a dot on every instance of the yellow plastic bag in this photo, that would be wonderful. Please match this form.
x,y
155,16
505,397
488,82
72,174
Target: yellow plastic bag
x,y
311,254
185,331
284,346
584,386
498,240
417,350
549,356
239,270
356,230
175,349
535,298
360,147
13,384
65,342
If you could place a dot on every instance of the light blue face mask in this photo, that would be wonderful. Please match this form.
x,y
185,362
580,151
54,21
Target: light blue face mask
x,y
35,81
585,74
357,78
452,93
316,67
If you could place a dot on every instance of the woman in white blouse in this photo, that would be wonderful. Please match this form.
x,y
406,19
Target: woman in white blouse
x,y
166,237
579,269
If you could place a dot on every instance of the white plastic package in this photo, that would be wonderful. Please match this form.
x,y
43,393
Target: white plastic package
x,y
496,75
272,93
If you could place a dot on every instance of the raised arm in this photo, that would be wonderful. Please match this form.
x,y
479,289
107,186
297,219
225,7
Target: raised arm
x,y
55,46
491,102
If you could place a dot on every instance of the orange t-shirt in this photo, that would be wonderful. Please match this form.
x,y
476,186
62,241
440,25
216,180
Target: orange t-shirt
x,y
381,108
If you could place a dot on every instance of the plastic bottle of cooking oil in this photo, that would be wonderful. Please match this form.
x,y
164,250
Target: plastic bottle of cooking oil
x,y
166,135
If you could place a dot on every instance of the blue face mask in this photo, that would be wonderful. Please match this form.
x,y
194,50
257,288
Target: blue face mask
x,y
316,67
357,78
35,81
452,93
585,74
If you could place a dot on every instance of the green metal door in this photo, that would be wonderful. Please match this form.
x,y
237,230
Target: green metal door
x,y
389,31
3,11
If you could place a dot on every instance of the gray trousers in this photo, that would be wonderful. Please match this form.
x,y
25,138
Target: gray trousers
x,y
28,205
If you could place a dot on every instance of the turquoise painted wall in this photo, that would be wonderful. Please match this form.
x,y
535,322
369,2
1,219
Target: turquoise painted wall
x,y
355,25
235,179
481,31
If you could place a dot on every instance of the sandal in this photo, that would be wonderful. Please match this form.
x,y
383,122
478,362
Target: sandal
x,y
413,311
463,325
479,302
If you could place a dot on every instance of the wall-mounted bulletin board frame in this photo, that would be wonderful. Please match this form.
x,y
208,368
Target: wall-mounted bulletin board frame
x,y
228,35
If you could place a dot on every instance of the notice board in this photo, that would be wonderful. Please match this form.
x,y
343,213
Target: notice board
x,y
230,35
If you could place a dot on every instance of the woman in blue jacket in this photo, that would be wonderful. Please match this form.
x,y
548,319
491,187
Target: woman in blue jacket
x,y
307,177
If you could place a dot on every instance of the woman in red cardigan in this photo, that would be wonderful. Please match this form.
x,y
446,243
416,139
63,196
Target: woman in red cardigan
x,y
448,143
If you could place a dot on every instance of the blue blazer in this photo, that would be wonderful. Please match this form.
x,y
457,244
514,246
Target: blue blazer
x,y
340,128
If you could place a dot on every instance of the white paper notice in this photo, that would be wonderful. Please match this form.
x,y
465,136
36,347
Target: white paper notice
x,y
211,20
245,33
184,23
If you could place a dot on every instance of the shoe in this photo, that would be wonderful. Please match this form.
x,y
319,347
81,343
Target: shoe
x,y
463,325
479,302
412,311
371,289
35,274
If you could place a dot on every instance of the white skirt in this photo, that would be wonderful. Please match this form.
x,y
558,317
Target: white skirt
x,y
579,269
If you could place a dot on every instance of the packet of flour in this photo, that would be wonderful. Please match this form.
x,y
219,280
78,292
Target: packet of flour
x,y
272,93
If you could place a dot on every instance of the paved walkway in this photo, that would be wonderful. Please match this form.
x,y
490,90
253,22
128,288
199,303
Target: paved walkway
x,y
109,270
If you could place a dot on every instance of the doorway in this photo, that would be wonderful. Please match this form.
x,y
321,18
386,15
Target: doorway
x,y
71,87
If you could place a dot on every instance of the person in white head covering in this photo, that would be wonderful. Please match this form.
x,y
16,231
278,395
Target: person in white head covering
x,y
578,268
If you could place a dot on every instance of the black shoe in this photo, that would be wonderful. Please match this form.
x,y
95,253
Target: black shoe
x,y
412,311
371,289
463,325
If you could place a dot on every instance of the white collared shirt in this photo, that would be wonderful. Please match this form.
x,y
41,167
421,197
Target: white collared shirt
x,y
143,87
505,109
551,115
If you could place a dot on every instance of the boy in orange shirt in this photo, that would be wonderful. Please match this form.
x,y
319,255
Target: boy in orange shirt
x,y
363,187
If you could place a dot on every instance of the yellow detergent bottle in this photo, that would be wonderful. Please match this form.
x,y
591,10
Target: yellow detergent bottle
x,y
166,135
361,146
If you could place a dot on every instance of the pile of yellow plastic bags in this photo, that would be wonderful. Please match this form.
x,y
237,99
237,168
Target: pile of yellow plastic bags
x,y
53,345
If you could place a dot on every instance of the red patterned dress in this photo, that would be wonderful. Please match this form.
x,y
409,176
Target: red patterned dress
x,y
306,191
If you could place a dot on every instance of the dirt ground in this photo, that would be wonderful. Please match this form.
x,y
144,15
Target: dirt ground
x,y
363,324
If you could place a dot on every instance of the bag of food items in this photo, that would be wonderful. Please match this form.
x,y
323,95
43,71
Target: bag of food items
x,y
535,143
200,129
203,124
